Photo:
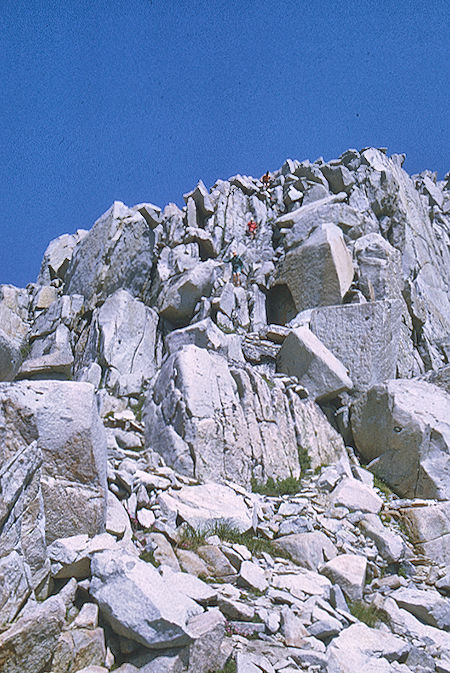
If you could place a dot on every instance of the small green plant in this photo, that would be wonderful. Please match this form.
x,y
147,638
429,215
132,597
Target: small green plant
x,y
269,382
193,538
304,459
367,613
230,667
137,408
25,350
381,486
401,572
149,557
287,486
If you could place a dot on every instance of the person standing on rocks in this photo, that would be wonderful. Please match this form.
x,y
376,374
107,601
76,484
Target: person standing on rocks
x,y
251,228
266,180
237,266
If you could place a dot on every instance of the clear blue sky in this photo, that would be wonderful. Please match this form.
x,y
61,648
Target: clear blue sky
x,y
137,99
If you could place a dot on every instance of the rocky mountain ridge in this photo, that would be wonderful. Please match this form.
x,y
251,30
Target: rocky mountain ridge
x,y
187,463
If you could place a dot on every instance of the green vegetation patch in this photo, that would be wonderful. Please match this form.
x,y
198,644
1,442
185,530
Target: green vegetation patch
x,y
367,613
288,486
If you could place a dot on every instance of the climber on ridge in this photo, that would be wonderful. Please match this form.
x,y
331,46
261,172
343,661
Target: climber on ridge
x,y
266,179
236,266
251,228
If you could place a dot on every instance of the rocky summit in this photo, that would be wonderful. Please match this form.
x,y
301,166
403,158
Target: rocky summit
x,y
225,432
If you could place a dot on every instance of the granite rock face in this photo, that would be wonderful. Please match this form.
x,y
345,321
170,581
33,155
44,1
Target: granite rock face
x,y
402,428
163,422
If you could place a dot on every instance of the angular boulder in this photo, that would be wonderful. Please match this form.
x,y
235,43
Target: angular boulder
x,y
206,505
403,428
428,525
58,255
319,271
349,572
121,581
122,340
180,296
62,417
13,329
116,253
216,422
303,355
365,338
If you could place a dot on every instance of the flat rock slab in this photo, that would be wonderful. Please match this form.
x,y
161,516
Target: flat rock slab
x,y
309,550
428,606
303,355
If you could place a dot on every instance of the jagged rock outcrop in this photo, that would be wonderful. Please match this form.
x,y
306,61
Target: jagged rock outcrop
x,y
146,391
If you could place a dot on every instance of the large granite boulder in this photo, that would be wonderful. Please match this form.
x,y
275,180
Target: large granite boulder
x,y
180,296
215,422
404,218
23,558
121,581
13,329
403,429
122,340
303,355
58,255
320,270
116,253
366,338
61,418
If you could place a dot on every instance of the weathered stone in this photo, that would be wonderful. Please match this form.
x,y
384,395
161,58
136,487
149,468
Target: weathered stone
x,y
403,428
390,546
204,334
58,255
428,525
214,422
292,628
182,294
13,329
190,586
304,356
319,271
252,576
356,496
79,648
360,648
71,556
117,519
217,563
163,552
363,337
62,416
49,357
28,645
304,582
122,340
205,505
309,550
349,572
201,199
120,581
116,253
338,177
428,606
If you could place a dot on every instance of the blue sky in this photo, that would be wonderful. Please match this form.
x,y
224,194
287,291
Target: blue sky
x,y
136,100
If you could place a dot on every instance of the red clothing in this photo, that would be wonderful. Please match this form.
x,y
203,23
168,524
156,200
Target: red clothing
x,y
251,226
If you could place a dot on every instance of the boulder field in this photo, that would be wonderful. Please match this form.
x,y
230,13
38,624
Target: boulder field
x,y
202,476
